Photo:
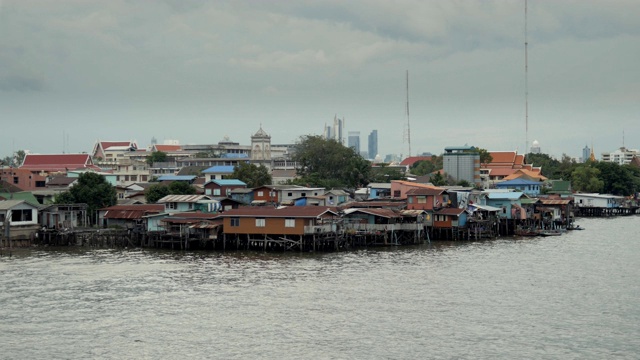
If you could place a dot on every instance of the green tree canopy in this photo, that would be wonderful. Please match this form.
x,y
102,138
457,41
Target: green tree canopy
x,y
437,179
385,174
157,191
251,174
585,179
618,179
155,157
328,163
485,156
91,189
424,167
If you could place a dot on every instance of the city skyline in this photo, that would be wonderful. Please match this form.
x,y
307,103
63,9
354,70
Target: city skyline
x,y
72,73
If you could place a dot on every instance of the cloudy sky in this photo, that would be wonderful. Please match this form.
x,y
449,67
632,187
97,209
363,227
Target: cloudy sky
x,y
75,71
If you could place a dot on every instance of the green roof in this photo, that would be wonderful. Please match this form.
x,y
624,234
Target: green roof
x,y
22,195
560,187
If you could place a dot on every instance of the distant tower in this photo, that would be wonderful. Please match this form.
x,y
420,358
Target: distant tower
x,y
372,144
261,146
354,140
586,153
327,132
337,129
592,156
535,147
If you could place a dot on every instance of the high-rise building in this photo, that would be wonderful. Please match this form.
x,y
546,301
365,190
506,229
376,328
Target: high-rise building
x,y
327,132
337,129
586,153
462,163
621,156
372,144
354,140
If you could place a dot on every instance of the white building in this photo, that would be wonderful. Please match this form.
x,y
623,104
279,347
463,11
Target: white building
x,y
621,156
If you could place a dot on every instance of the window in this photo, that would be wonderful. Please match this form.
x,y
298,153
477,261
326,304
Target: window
x,y
41,183
21,215
260,193
303,194
190,206
410,199
216,192
172,205
235,221
260,222
289,223
289,194
422,199
16,180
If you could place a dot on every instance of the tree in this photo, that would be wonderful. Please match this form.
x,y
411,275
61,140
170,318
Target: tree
x,y
155,157
157,191
437,179
252,174
550,166
585,179
485,156
424,167
618,180
384,174
15,160
91,189
328,163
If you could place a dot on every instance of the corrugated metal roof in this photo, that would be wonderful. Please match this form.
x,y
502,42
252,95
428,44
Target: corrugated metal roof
x,y
177,178
449,211
183,198
486,207
8,204
385,213
425,191
514,195
219,169
555,202
227,182
288,211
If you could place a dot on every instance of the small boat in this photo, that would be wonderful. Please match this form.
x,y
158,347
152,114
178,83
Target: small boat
x,y
577,227
549,232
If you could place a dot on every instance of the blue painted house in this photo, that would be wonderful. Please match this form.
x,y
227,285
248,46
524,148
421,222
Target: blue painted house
x,y
182,203
529,187
218,172
379,190
508,202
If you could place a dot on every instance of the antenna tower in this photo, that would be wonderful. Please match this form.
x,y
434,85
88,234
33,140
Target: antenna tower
x,y
408,123
526,82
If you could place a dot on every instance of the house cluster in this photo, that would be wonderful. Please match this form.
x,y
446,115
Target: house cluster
x,y
225,209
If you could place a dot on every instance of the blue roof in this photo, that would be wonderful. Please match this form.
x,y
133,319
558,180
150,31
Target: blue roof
x,y
219,169
512,195
177,178
227,182
517,182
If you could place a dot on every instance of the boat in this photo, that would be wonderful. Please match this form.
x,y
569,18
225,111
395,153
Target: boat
x,y
550,232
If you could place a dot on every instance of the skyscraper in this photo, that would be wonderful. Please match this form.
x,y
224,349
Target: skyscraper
x,y
372,144
354,140
337,129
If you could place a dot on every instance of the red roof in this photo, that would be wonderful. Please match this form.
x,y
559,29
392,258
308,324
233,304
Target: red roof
x,y
450,211
414,159
107,144
57,162
168,148
424,191
502,158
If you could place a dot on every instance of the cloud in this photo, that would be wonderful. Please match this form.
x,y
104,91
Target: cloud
x,y
20,83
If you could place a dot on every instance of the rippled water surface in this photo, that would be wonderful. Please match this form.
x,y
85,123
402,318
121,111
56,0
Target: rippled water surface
x,y
575,296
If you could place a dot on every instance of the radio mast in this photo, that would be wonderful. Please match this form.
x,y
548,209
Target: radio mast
x,y
526,83
408,123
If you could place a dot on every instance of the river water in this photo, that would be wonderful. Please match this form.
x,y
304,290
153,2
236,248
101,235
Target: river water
x,y
575,296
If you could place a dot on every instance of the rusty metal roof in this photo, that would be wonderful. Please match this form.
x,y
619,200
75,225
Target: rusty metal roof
x,y
386,213
287,211
555,202
449,211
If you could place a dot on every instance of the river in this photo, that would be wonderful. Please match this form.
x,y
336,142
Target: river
x,y
575,296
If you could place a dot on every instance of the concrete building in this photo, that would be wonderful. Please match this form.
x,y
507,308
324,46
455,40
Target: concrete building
x,y
462,163
621,156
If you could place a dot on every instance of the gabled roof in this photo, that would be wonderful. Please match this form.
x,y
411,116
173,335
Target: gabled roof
x,y
385,213
503,158
555,202
285,212
166,148
219,169
526,173
511,195
27,196
449,211
9,204
61,181
57,162
183,198
131,211
425,191
227,182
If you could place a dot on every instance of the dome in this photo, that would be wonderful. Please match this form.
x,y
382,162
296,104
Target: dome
x,y
536,143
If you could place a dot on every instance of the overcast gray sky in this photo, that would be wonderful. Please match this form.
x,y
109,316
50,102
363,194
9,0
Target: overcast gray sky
x,y
73,72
